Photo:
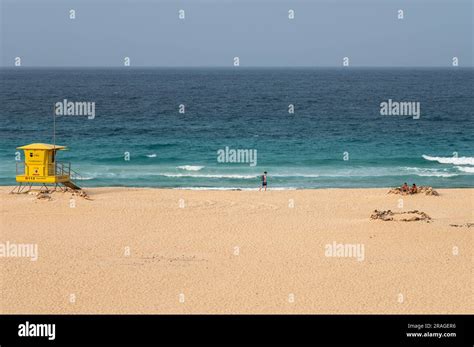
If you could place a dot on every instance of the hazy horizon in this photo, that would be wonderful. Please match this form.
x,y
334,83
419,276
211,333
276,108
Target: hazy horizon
x,y
234,68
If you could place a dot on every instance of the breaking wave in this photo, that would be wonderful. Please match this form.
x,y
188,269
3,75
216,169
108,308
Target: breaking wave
x,y
190,167
465,169
451,160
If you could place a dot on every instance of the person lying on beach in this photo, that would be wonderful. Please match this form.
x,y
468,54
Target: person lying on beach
x,y
264,181
404,188
413,189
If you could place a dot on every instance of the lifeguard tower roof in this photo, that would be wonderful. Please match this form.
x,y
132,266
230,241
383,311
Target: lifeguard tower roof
x,y
42,146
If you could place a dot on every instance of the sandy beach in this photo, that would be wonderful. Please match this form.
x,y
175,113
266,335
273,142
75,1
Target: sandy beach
x,y
182,251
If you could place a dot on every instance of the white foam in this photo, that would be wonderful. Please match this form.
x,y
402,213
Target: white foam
x,y
451,160
436,174
83,178
190,167
426,172
151,155
297,175
465,169
210,176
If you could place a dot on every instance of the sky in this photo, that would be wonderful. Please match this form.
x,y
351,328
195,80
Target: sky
x,y
259,32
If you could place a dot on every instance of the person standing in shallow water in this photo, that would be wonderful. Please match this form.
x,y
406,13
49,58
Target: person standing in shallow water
x,y
264,181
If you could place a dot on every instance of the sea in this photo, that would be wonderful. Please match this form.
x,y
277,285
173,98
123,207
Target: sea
x,y
306,127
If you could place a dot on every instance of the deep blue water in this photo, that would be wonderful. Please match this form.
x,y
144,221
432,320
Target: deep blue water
x,y
336,111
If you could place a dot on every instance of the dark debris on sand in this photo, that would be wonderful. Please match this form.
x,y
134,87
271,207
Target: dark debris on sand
x,y
413,216
423,189
465,225
46,194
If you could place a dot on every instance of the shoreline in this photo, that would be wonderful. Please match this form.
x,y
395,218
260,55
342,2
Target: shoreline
x,y
274,189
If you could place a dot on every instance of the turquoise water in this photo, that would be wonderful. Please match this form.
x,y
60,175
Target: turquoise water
x,y
337,116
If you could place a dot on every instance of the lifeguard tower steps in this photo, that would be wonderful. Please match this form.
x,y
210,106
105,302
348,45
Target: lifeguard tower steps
x,y
72,185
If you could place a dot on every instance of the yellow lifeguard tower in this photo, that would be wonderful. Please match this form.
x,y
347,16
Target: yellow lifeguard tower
x,y
40,166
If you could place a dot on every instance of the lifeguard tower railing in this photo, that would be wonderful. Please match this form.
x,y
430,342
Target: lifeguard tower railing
x,y
64,169
59,168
